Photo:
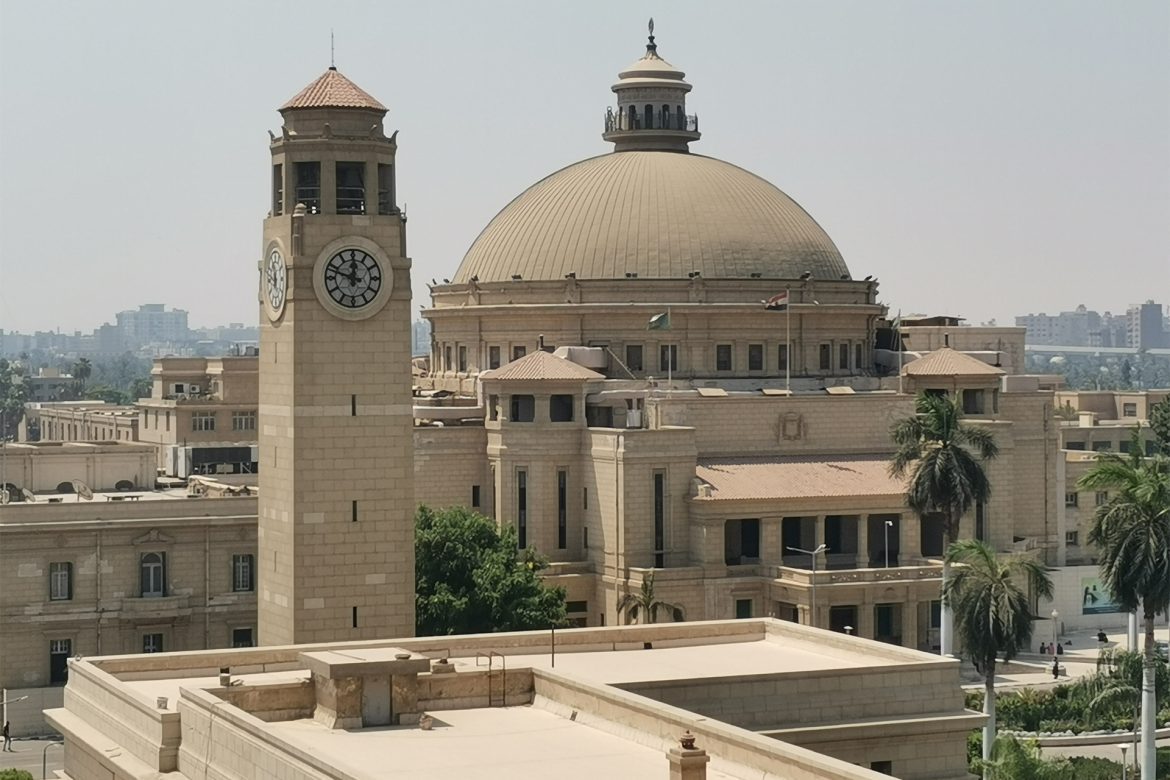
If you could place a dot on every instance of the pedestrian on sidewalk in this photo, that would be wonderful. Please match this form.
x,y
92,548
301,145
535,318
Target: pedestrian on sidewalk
x,y
7,739
1055,669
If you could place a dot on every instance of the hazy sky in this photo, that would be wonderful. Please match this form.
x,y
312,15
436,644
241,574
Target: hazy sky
x,y
985,159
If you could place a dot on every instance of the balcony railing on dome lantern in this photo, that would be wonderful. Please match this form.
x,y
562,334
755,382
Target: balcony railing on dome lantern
x,y
351,200
617,120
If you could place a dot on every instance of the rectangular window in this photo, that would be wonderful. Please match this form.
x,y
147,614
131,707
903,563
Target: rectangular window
x,y
743,609
60,651
447,364
857,357
522,507
60,581
668,357
882,767
1129,410
475,496
523,409
351,188
463,359
168,415
826,357
755,357
243,637
203,421
1070,499
385,192
1102,446
152,643
243,421
308,185
980,521
493,357
152,569
519,352
277,190
634,357
574,607
659,519
560,408
722,357
843,357
1102,498
782,357
243,573
562,510
584,498
1074,445
973,402
1070,538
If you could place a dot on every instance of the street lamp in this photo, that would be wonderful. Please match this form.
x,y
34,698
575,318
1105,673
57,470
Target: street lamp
x,y
813,598
1055,618
1123,747
889,525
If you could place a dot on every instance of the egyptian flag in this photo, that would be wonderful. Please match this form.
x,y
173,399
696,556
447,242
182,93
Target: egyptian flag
x,y
659,322
778,302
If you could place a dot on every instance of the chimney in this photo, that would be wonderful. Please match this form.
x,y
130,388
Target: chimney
x,y
686,761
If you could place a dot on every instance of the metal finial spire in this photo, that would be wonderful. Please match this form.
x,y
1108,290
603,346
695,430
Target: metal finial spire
x,y
651,47
332,60
651,26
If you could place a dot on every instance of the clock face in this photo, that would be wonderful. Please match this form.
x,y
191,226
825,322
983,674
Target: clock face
x,y
352,278
275,281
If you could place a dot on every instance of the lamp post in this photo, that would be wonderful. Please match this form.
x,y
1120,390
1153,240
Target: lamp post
x,y
813,598
889,525
1055,618
1123,747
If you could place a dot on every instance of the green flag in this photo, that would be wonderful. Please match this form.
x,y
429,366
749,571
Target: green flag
x,y
659,322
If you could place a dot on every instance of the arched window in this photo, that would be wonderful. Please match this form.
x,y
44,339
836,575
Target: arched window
x,y
153,571
679,118
633,118
666,117
649,112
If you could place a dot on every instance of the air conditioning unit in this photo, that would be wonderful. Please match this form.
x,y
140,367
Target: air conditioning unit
x,y
194,389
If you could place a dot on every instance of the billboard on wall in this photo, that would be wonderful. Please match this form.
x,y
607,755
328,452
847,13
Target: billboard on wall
x,y
1095,599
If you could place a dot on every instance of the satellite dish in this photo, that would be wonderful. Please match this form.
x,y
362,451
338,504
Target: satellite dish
x,y
29,496
82,490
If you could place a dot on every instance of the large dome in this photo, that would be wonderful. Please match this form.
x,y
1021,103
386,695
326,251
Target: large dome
x,y
654,214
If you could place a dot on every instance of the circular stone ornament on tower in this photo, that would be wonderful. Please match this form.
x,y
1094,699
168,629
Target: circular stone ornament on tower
x,y
352,278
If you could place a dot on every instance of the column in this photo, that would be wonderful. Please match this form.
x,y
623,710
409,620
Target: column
x,y
863,541
910,624
770,552
910,536
865,621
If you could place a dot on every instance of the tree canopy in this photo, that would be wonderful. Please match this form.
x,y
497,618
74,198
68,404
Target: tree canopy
x,y
471,577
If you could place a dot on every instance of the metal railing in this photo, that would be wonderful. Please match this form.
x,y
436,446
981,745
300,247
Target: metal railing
x,y
311,197
489,655
619,120
351,200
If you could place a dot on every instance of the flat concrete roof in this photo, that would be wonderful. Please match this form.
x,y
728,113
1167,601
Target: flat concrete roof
x,y
733,659
500,743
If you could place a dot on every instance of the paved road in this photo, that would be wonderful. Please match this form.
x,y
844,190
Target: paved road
x,y
29,754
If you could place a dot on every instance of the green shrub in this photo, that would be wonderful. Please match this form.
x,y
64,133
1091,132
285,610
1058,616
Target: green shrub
x,y
14,774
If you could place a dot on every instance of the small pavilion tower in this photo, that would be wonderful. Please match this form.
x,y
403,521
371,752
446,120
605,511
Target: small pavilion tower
x,y
651,106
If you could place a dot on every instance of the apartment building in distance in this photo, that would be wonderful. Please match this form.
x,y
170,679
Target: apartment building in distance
x,y
1142,326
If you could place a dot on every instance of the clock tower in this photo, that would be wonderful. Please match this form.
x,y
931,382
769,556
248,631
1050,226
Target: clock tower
x,y
336,507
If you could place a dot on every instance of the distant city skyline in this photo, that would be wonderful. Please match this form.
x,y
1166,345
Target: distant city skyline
x,y
983,160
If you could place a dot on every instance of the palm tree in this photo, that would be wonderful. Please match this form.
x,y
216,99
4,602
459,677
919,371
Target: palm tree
x,y
1012,759
1132,532
943,458
645,603
82,370
991,599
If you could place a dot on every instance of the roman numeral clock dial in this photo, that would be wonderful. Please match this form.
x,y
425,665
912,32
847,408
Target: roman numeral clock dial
x,y
352,280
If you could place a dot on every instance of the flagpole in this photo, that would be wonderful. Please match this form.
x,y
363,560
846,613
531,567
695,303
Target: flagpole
x,y
669,358
788,341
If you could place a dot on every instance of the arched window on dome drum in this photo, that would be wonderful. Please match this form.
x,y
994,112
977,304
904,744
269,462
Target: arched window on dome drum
x,y
633,118
649,116
680,120
666,117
